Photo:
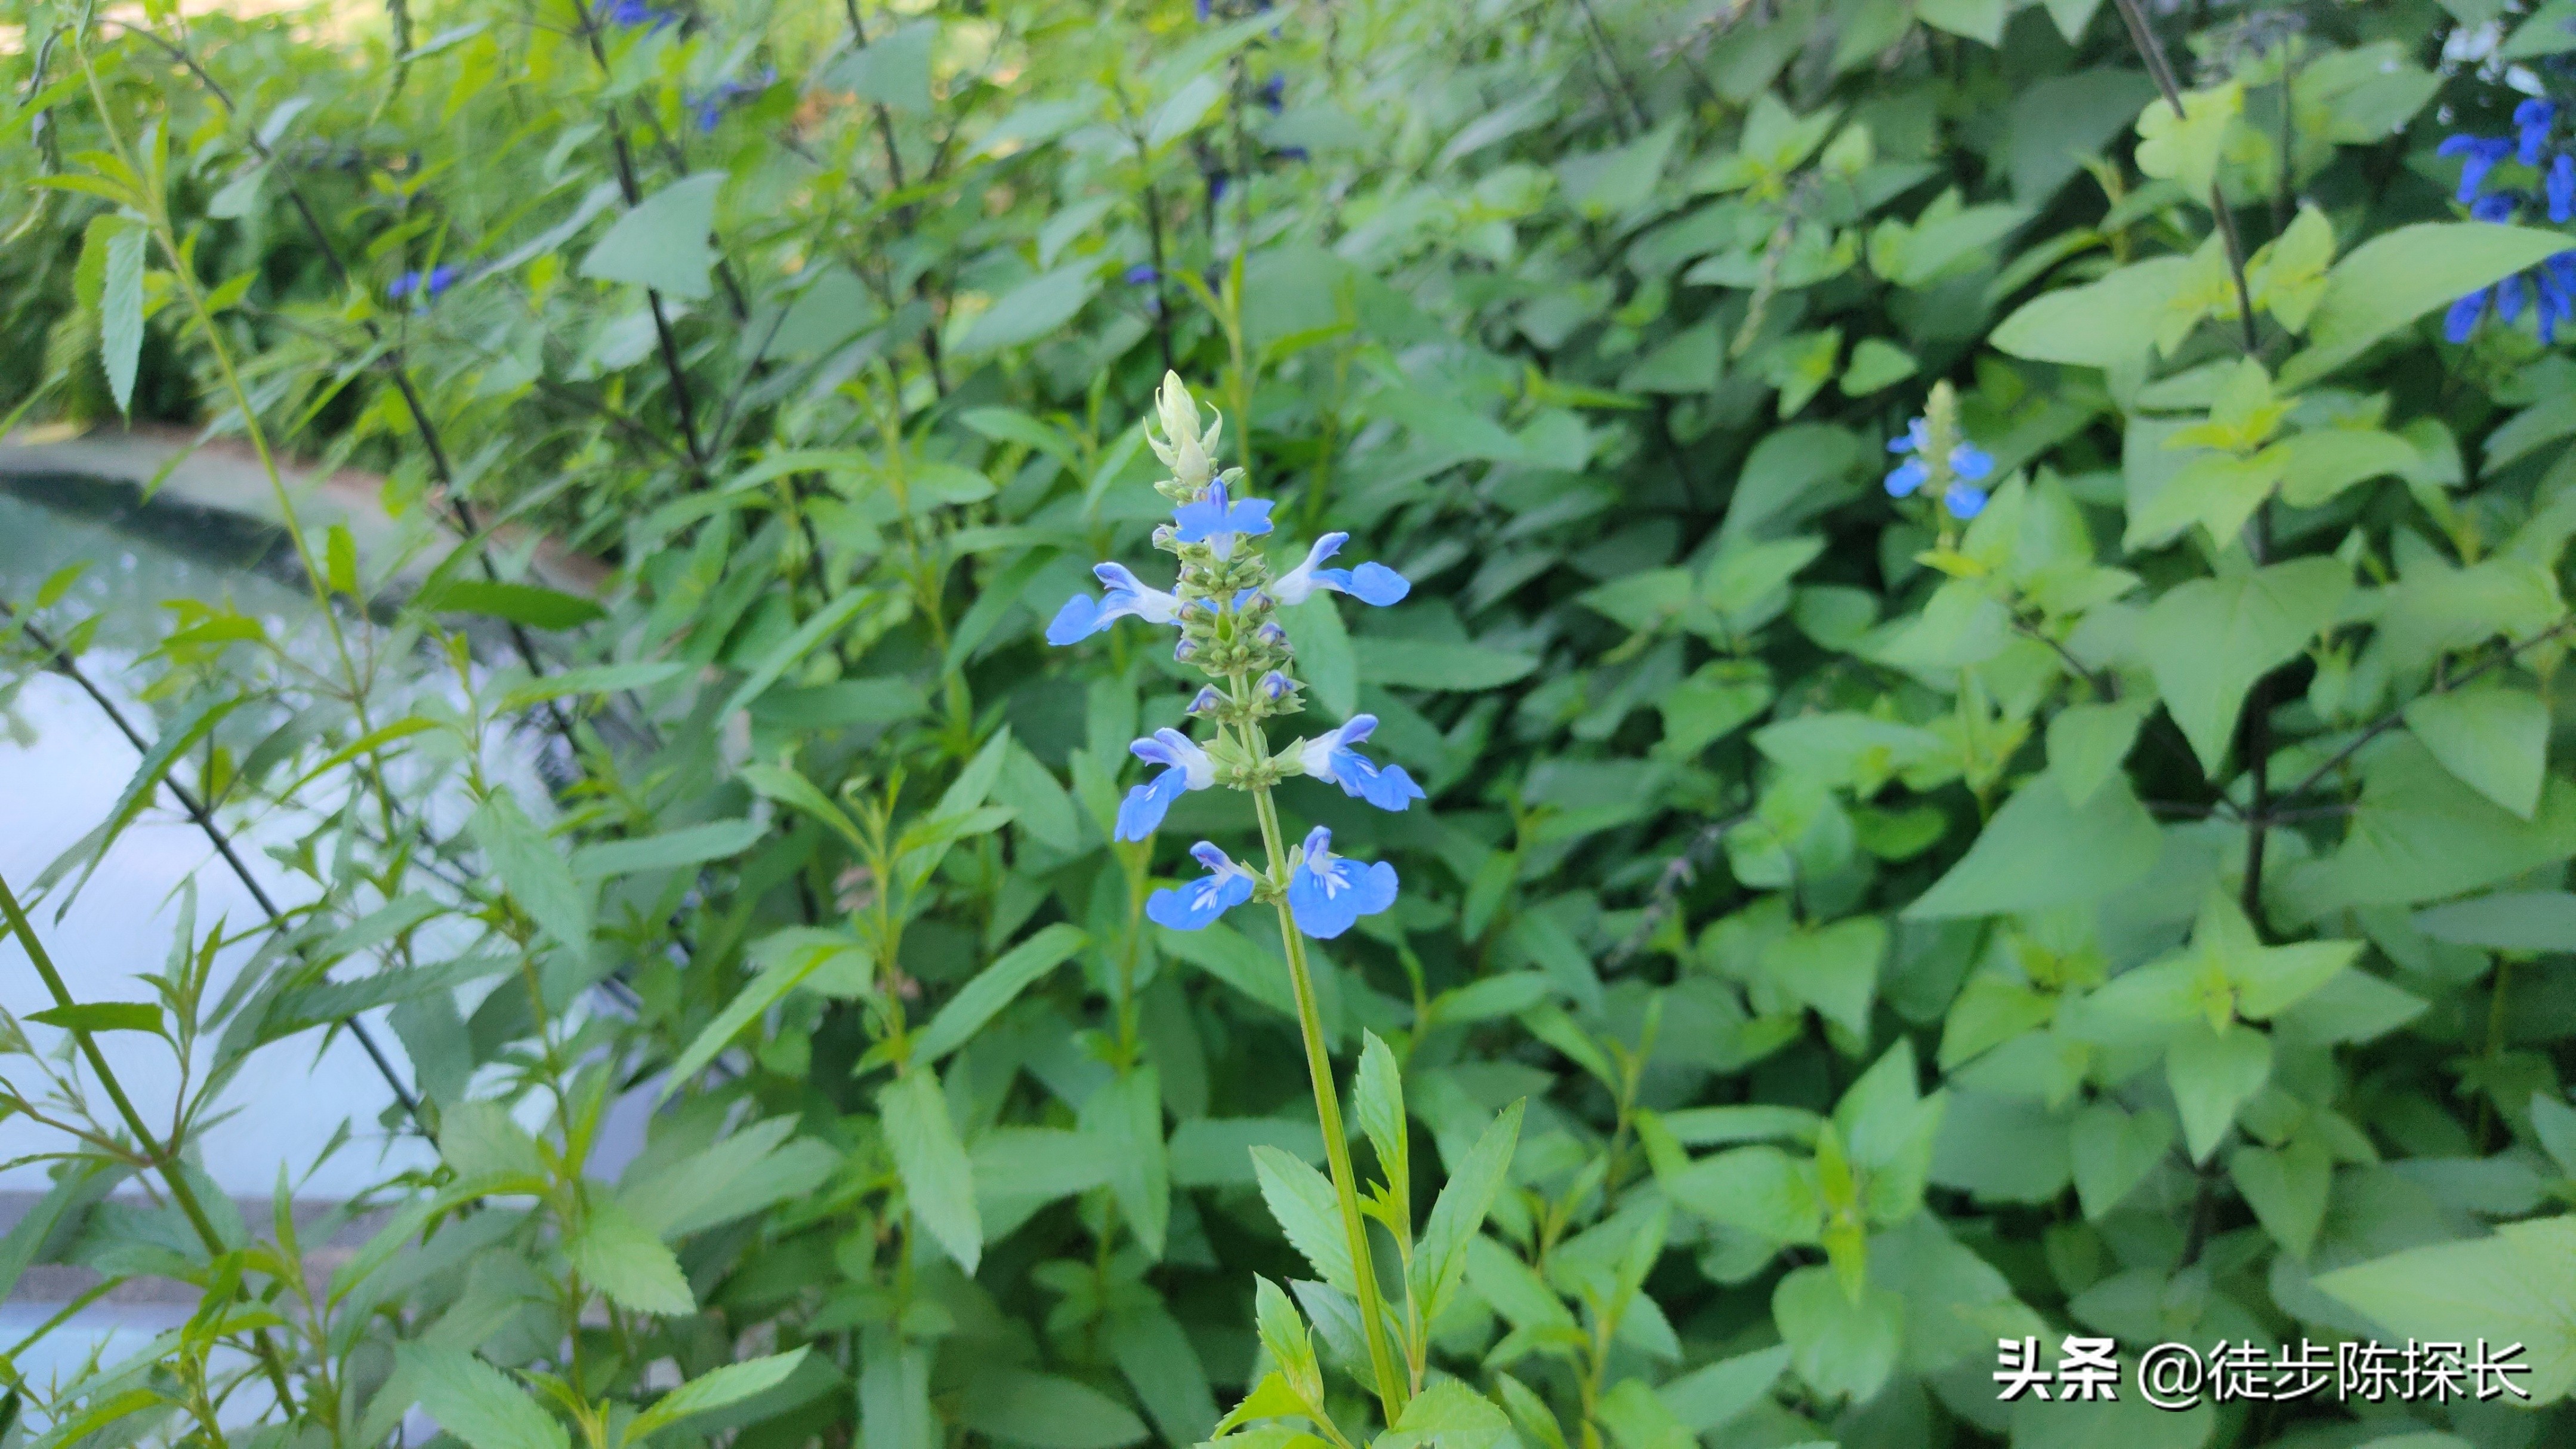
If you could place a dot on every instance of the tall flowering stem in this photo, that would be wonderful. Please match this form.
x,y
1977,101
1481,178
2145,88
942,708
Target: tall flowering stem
x,y
1224,603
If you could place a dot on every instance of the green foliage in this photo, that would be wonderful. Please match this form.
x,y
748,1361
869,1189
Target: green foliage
x,y
2111,879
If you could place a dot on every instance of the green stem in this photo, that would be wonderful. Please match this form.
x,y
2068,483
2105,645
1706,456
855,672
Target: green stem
x,y
162,1159
1328,1110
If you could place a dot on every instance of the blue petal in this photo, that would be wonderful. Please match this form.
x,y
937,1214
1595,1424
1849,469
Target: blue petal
x,y
1904,479
1375,891
1375,583
2462,319
1971,462
1321,914
1191,907
2509,297
1147,804
2562,189
1251,516
1964,501
1389,788
1078,619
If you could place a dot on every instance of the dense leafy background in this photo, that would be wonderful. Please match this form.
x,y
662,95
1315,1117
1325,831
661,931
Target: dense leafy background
x,y
2142,911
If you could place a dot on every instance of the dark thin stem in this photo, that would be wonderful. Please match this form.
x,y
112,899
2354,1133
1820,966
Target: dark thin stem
x,y
1677,874
161,1157
63,663
1618,74
2396,717
2204,1212
2258,745
905,212
2152,51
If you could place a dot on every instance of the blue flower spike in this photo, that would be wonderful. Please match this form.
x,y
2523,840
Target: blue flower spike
x,y
1327,894
1186,767
2561,189
1370,583
1333,759
1191,907
1218,520
2478,155
424,287
1954,469
2531,121
1126,597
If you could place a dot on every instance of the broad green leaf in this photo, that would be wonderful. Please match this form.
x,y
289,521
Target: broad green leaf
x,y
2419,834
1302,1202
2103,323
2513,1287
1125,1116
784,655
1038,803
2394,278
1760,1190
894,1394
95,1016
1181,112
2113,1151
937,1179
762,992
2287,1190
2186,149
2040,852
1512,1287
662,243
477,1402
1978,20
1031,310
1431,664
993,988
2087,743
1377,1104
740,1173
2495,738
528,867
1451,1415
2209,640
1706,1398
670,850
717,1388
1832,968
1160,1363
2519,921
892,70
535,606
1842,1348
340,555
2213,1073
1045,1411
625,1260
1458,1215
120,312
479,1139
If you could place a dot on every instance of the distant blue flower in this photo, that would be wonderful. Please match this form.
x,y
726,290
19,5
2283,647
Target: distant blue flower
x,y
2532,120
2462,319
1327,894
1963,501
1187,768
2557,284
1216,184
1331,758
1203,12
2497,208
1290,153
438,280
1275,685
2561,187
1206,701
1274,93
1968,464
1192,906
1083,616
1370,583
2478,156
637,12
1142,275
1218,522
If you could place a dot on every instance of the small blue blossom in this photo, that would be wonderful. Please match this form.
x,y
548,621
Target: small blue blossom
x,y
1332,758
2497,208
2478,156
2549,289
2532,120
1218,522
428,287
1186,768
1969,464
1191,907
2561,189
2462,319
630,13
1275,686
1328,894
1216,184
1370,583
1296,154
1206,701
1274,93
1083,616
1142,274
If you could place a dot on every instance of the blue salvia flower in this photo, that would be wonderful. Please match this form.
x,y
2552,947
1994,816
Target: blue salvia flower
x,y
1186,768
1328,894
1967,465
1274,92
1218,521
1191,907
1142,274
2478,156
2561,189
1370,583
1332,759
427,286
631,13
2532,120
1083,616
2462,319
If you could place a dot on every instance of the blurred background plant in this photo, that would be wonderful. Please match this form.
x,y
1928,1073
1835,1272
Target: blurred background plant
x,y
1987,593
